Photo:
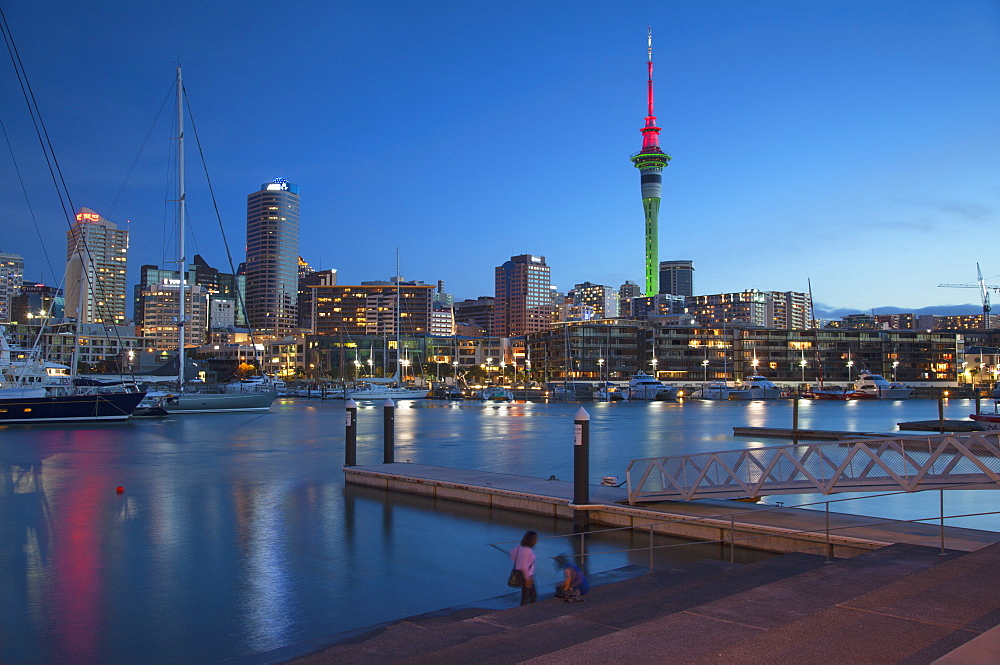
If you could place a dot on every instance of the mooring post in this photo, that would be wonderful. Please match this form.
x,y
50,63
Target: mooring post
x,y
388,431
978,396
351,435
942,520
581,467
941,410
795,419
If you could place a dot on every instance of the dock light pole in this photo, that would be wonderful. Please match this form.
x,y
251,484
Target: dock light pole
x,y
802,364
850,364
895,364
388,431
581,467
454,371
351,434
600,369
704,366
653,363
371,366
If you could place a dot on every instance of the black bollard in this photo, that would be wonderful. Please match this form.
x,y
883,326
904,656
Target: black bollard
x,y
941,410
795,419
581,457
351,435
388,431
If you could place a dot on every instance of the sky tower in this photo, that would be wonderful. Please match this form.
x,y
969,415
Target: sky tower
x,y
650,162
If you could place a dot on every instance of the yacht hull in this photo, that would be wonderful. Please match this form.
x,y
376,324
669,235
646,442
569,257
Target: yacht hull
x,y
219,403
69,408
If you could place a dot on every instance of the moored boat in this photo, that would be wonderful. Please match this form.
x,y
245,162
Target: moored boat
x,y
642,386
717,390
608,392
496,394
755,387
875,386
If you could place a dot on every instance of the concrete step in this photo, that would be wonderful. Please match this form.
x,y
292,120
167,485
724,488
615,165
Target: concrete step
x,y
431,632
709,631
539,629
913,620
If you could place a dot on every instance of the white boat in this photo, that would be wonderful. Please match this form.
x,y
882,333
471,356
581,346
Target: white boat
x,y
370,390
875,386
31,393
496,394
755,387
642,386
608,392
713,390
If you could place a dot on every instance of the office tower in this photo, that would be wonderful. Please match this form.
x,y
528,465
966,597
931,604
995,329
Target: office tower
x,y
96,254
38,301
160,306
477,313
11,280
677,278
272,264
306,294
651,161
523,298
221,288
370,308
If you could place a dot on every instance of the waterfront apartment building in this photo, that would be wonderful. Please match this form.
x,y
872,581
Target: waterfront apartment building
x,y
96,259
784,310
791,310
371,308
523,297
691,355
11,281
111,346
272,265
306,281
677,277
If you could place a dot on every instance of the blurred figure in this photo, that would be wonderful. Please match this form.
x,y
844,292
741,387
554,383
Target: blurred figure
x,y
523,557
574,584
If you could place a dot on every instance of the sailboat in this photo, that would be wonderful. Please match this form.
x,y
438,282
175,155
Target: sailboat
x,y
257,400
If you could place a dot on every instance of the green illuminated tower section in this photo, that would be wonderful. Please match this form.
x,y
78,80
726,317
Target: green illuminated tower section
x,y
651,161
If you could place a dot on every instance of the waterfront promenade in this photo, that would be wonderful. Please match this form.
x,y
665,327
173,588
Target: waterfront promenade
x,y
896,602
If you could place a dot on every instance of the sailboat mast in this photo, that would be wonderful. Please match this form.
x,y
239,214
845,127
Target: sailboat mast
x,y
399,324
180,226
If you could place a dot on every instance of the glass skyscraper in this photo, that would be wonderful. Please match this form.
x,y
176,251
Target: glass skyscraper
x,y
272,266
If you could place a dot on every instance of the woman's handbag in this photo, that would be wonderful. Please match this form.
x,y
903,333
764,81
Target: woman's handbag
x,y
516,579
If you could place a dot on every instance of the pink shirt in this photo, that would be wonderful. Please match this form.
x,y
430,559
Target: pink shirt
x,y
524,560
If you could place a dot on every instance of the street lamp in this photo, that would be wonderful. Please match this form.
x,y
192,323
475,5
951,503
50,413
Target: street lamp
x,y
850,364
371,366
704,366
600,370
357,368
406,366
653,363
454,371
802,364
895,364
503,370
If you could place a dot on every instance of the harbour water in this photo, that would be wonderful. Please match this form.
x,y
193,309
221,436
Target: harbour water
x,y
234,536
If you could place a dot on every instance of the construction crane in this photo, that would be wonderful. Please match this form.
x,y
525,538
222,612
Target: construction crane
x,y
983,292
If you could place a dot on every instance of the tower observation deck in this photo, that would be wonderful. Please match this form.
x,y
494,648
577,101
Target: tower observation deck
x,y
650,161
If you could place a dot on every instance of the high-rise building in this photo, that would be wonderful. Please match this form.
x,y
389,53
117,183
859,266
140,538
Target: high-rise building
x,y
477,313
96,256
601,301
651,161
272,266
161,305
11,280
222,289
371,308
523,299
677,278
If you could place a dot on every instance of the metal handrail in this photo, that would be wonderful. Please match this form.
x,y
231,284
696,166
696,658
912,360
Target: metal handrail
x,y
731,516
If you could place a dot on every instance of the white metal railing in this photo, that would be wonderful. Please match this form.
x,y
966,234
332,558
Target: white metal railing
x,y
899,463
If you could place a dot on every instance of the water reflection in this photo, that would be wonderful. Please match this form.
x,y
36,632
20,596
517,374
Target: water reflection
x,y
235,533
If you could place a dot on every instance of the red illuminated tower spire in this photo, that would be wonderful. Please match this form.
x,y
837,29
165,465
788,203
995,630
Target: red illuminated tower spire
x,y
650,161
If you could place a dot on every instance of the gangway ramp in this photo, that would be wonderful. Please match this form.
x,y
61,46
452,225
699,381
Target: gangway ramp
x,y
887,464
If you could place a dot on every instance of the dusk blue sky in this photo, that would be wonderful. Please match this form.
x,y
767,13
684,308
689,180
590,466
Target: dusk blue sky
x,y
854,144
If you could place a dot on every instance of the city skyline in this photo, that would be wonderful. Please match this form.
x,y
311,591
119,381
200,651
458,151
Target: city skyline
x,y
848,144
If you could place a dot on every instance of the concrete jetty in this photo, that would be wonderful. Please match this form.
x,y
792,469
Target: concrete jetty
x,y
754,526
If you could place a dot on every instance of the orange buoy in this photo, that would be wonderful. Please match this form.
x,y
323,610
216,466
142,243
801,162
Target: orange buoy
x,y
120,489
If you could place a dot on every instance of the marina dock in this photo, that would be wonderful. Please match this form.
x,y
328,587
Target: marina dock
x,y
768,528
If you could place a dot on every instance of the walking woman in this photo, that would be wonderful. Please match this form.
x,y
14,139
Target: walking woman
x,y
524,560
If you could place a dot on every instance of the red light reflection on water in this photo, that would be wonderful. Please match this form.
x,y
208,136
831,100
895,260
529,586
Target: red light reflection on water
x,y
80,507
